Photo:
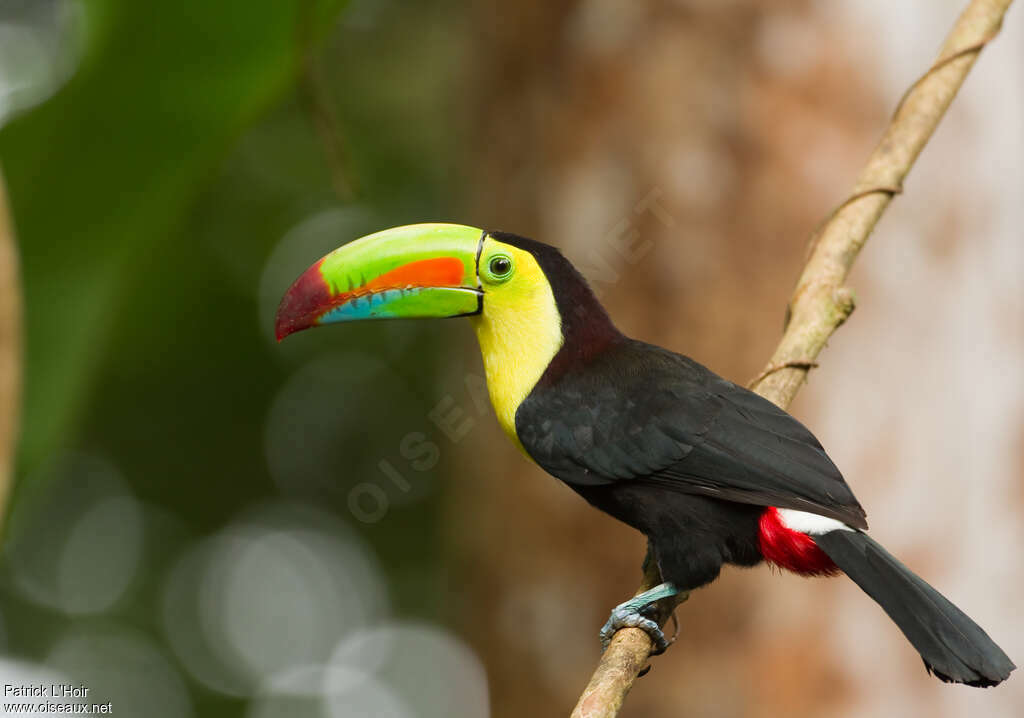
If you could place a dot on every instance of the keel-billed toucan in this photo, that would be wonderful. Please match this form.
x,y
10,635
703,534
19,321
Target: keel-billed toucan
x,y
711,472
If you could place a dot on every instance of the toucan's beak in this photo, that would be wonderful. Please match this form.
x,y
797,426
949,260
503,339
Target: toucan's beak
x,y
421,270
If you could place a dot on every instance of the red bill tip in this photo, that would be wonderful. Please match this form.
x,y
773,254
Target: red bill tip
x,y
302,303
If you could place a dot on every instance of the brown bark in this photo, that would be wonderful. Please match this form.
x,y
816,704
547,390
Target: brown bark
x,y
10,348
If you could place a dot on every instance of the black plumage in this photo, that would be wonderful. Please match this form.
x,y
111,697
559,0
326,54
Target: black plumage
x,y
641,413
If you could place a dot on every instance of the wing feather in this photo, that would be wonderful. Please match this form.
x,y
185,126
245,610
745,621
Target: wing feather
x,y
642,413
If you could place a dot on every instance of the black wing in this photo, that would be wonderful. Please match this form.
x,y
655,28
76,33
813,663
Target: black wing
x,y
639,412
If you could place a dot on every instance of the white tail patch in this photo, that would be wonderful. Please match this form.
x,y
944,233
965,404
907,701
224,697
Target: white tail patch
x,y
811,524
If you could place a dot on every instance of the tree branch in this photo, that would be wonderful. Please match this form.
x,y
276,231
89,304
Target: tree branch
x,y
820,303
10,348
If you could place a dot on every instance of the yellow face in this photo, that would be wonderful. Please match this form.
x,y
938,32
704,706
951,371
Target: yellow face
x,y
519,329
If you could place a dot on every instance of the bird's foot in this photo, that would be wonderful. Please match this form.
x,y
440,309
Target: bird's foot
x,y
625,617
634,614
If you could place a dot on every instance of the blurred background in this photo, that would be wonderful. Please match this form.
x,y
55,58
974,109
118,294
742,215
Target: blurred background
x,y
206,523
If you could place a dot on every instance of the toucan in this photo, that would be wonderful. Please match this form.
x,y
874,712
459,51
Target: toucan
x,y
709,471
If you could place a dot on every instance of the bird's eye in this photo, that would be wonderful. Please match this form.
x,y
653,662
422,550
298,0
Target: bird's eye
x,y
500,267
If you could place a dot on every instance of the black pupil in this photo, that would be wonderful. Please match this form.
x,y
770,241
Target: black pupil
x,y
500,265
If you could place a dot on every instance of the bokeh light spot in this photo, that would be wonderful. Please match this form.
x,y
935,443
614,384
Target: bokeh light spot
x,y
125,669
76,539
420,663
275,590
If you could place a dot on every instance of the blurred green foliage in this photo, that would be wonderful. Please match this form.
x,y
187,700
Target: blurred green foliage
x,y
103,173
149,193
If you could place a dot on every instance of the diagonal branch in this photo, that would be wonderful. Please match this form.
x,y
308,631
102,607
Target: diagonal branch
x,y
820,302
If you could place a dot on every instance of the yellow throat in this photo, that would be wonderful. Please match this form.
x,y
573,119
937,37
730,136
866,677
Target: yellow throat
x,y
519,330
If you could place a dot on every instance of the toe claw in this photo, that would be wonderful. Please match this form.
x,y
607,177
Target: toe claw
x,y
625,616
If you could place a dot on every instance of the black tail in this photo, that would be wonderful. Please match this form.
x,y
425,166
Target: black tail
x,y
953,646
